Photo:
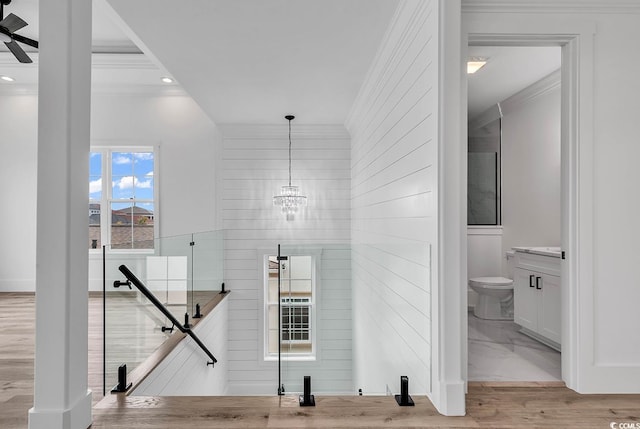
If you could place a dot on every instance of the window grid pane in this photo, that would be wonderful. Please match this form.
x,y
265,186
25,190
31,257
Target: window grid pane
x,y
295,323
124,192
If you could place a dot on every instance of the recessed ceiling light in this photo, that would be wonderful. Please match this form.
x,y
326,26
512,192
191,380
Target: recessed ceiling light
x,y
475,63
7,78
167,80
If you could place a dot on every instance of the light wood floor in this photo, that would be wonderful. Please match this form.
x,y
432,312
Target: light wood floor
x,y
488,405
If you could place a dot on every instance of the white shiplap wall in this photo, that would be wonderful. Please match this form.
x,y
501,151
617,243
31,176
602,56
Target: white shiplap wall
x,y
184,371
393,126
253,166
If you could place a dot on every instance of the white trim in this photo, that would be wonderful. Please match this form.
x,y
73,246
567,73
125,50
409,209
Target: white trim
x,y
79,415
576,39
551,6
18,285
114,90
146,90
99,61
139,61
449,301
541,87
484,230
547,84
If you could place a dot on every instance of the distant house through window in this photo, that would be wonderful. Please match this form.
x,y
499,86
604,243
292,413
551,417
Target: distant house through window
x,y
122,198
297,307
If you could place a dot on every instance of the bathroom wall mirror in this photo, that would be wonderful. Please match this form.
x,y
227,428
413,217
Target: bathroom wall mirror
x,y
483,178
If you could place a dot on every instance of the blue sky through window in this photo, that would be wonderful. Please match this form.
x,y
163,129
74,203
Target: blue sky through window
x,y
131,173
95,176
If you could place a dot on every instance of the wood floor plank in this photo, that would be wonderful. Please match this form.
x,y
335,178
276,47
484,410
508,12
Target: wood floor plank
x,y
489,405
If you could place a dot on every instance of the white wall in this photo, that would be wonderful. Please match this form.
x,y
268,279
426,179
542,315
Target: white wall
x,y
603,346
616,344
187,175
253,166
394,213
184,371
18,173
531,167
186,139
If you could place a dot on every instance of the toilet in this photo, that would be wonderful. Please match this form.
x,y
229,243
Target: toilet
x,y
495,297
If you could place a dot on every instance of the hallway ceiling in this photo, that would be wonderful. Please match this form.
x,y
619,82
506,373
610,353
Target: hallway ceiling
x,y
253,61
249,61
509,70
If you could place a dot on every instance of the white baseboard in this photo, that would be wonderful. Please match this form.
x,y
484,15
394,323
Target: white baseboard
x,y
449,398
21,285
78,416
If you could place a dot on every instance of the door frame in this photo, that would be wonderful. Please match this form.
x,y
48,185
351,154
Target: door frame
x,y
576,42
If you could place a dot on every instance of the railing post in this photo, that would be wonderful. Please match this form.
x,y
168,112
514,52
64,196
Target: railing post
x,y
122,385
307,399
403,399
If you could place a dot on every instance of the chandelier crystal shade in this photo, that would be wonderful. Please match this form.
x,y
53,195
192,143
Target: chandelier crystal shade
x,y
289,199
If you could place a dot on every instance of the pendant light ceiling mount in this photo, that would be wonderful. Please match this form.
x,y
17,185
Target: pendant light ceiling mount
x,y
289,199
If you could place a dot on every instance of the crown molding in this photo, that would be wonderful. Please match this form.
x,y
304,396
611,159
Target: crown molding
x,y
133,90
552,6
118,90
537,89
543,86
132,61
26,76
98,60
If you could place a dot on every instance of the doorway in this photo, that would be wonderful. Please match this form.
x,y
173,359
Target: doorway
x,y
575,95
513,202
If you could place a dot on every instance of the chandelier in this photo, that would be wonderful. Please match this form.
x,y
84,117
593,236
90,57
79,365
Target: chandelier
x,y
289,199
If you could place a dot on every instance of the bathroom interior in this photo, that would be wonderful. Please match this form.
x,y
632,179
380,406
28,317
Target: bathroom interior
x,y
514,222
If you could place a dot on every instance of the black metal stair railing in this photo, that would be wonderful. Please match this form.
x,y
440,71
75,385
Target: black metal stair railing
x,y
147,293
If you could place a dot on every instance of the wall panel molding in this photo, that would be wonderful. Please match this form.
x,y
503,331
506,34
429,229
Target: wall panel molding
x,y
551,6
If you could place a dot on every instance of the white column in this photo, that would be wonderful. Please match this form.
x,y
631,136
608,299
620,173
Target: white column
x,y
450,298
61,397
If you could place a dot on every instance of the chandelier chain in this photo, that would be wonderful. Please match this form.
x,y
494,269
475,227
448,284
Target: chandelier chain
x,y
289,152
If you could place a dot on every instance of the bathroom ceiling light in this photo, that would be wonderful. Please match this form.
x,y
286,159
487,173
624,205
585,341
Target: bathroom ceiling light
x,y
7,78
475,63
167,79
289,198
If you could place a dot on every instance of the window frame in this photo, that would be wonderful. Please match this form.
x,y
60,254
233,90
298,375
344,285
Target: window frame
x,y
313,305
107,200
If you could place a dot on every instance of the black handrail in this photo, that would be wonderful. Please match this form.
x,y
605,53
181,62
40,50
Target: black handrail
x,y
142,288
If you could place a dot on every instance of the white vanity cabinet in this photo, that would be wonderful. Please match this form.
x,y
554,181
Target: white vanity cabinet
x,y
536,291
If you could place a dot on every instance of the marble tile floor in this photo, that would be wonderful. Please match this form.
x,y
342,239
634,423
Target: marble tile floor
x,y
498,352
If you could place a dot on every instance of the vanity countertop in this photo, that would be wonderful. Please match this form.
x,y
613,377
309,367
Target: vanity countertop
x,y
553,251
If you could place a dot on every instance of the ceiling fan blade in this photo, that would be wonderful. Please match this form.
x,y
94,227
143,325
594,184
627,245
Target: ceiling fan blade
x,y
12,23
18,52
25,40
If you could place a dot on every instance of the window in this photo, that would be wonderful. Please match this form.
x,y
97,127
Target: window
x,y
484,175
296,322
297,301
122,198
